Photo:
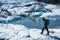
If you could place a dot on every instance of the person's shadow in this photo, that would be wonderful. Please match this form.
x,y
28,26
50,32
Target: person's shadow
x,y
54,37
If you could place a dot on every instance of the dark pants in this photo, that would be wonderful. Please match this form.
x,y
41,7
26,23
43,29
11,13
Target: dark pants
x,y
45,27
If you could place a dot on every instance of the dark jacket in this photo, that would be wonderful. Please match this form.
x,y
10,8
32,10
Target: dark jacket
x,y
46,22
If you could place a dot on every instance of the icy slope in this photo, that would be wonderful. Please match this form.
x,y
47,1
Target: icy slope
x,y
16,1
13,11
26,9
30,9
20,32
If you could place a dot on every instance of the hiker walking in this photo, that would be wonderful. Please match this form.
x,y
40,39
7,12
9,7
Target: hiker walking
x,y
46,23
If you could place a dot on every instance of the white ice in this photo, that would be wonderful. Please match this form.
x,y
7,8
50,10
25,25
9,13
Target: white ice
x,y
20,32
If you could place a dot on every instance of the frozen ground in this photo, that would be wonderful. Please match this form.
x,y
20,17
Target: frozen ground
x,y
20,32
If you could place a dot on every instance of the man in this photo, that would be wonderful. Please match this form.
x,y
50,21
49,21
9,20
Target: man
x,y
46,23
